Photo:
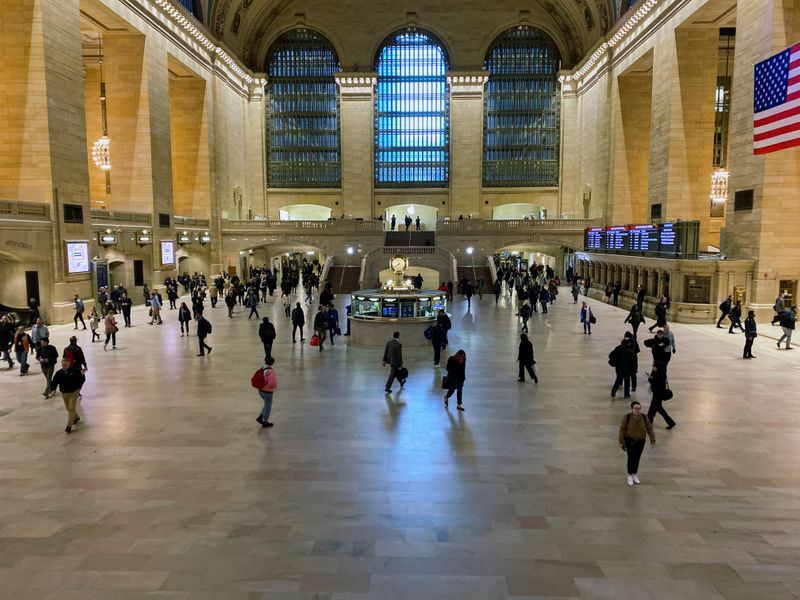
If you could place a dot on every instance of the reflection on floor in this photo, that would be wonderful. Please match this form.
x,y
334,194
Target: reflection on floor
x,y
170,489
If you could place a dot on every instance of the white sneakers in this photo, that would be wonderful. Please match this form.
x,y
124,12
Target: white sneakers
x,y
633,479
630,479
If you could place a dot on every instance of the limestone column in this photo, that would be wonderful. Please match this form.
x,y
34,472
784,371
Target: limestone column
x,y
357,114
682,125
768,232
255,149
466,142
569,188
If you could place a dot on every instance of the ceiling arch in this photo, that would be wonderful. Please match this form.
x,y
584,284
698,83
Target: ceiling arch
x,y
247,27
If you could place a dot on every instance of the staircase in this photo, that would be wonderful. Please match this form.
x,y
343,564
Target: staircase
x,y
344,279
484,272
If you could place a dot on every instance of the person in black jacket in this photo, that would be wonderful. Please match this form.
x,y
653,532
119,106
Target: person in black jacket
x,y
69,379
445,322
660,347
298,322
456,375
125,306
750,334
230,302
203,330
266,332
437,341
393,356
736,317
525,358
74,354
635,318
623,359
661,315
47,356
184,318
658,386
724,309
321,325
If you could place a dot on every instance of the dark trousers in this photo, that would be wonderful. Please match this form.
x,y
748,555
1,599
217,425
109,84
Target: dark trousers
x,y
213,302
635,327
544,306
721,318
267,348
253,311
79,317
185,325
497,297
437,354
735,323
623,379
112,337
525,324
634,448
748,347
331,333
529,368
48,375
657,407
295,327
392,377
203,345
126,317
458,390
172,303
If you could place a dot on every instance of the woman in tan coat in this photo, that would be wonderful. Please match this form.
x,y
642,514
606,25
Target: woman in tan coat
x,y
111,330
633,433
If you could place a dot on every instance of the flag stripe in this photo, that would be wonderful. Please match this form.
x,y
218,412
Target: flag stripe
x,y
786,110
769,133
776,139
776,147
777,92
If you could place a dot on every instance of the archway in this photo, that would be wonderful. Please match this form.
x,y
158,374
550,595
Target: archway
x,y
427,216
304,212
517,210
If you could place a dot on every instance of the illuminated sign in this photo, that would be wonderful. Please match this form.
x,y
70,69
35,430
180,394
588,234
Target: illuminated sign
x,y
167,252
77,257
143,239
107,239
184,239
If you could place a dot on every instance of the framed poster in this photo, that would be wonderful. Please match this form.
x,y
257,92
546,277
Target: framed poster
x,y
167,252
77,257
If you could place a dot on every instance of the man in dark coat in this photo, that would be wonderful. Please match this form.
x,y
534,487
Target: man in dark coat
x,y
438,338
298,322
724,309
266,332
525,358
393,356
623,359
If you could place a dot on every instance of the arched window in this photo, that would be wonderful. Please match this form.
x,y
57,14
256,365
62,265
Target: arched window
x,y
193,6
302,112
521,127
411,112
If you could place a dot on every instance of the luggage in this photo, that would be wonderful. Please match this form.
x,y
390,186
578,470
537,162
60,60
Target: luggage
x,y
402,374
314,340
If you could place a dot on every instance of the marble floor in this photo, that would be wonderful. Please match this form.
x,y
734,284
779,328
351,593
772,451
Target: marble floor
x,y
169,489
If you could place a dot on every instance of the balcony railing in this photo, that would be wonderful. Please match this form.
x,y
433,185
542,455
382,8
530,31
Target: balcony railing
x,y
341,225
15,210
121,217
496,226
190,222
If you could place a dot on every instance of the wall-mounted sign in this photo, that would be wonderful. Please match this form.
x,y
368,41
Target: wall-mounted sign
x,y
184,239
77,257
205,239
143,238
167,252
107,239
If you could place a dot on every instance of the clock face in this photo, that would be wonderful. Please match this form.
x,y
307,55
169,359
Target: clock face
x,y
398,263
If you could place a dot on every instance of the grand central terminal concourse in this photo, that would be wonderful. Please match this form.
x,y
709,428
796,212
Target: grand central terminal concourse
x,y
368,300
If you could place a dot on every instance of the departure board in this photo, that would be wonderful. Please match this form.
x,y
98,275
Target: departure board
x,y
594,238
643,239
617,239
666,240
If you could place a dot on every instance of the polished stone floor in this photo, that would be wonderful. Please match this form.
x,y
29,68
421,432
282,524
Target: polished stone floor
x,y
169,489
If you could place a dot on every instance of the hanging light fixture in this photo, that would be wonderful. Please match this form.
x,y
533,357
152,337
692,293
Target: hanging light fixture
x,y
100,149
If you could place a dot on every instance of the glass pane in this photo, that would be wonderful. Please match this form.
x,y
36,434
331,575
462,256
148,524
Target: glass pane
x,y
522,112
412,113
302,112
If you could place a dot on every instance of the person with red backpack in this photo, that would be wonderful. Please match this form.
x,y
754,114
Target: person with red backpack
x,y
265,382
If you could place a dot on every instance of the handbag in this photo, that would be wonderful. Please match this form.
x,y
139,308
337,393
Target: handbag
x,y
402,373
314,340
592,319
445,383
667,393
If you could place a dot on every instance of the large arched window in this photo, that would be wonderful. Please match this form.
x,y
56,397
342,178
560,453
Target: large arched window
x,y
411,112
302,112
521,127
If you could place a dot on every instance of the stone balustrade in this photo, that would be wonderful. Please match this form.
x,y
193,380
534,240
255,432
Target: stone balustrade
x,y
118,217
15,210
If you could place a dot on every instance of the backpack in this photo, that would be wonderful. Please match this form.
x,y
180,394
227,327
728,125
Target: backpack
x,y
258,380
69,356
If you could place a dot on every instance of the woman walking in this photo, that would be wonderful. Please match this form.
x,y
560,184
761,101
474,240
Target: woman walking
x,y
525,358
111,330
635,318
658,386
586,318
94,323
184,318
456,375
633,433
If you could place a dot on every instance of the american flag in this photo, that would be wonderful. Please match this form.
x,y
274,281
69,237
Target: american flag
x,y
776,122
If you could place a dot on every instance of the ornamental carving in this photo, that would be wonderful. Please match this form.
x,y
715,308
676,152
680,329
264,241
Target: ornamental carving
x,y
219,21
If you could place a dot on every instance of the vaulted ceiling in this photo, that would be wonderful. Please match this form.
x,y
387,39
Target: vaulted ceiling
x,y
357,27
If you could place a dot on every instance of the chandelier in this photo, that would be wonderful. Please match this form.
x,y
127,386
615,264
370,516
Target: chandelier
x,y
719,186
100,154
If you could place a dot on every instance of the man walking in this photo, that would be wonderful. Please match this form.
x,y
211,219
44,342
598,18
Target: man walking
x,y
788,319
298,322
203,330
69,379
333,322
125,306
778,307
267,384
155,309
736,317
266,332
525,358
321,325
47,356
79,308
438,342
253,301
393,356
724,309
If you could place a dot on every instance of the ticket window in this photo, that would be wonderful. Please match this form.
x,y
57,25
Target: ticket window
x,y
740,295
697,290
788,287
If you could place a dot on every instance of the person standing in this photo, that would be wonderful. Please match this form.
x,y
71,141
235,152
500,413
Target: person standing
x,y
525,358
47,356
79,308
230,302
321,325
33,307
393,222
456,376
111,329
298,322
22,347
125,305
469,291
616,291
203,331
788,319
69,379
393,356
6,334
724,309
417,221
267,390
750,334
184,318
658,386
266,333
213,293
94,323
333,322
634,430
586,318
443,319
660,347
736,317
39,331
635,318
155,309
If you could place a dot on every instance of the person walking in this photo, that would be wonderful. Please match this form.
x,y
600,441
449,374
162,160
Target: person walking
x,y
576,290
623,359
111,328
203,331
586,318
788,319
641,293
468,291
69,379
253,301
333,323
750,334
47,356
724,309
125,305
268,382
266,333
634,430
74,354
635,318
298,322
321,325
6,335
525,359
393,357
661,349
736,317
497,287
661,315
213,294
525,314
33,307
22,347
155,309
230,302
94,323
778,307
438,342
79,308
39,331
393,222
456,376
286,300
417,222
184,318
658,387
